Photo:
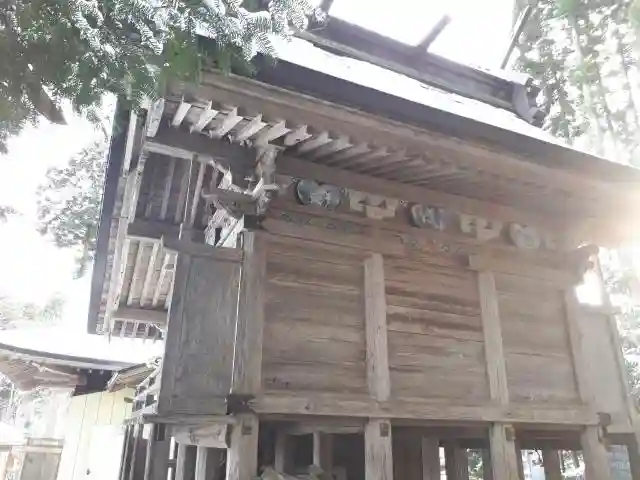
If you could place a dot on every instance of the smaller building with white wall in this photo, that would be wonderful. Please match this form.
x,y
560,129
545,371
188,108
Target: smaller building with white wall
x,y
66,420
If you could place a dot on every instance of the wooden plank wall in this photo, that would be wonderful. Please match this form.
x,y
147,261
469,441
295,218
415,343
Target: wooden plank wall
x,y
536,341
602,365
314,338
434,332
196,376
314,327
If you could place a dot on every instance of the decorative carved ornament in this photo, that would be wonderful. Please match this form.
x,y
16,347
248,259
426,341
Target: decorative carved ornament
x,y
373,206
479,227
423,216
310,192
525,237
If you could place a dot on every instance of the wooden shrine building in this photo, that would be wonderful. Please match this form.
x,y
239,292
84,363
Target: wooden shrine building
x,y
358,257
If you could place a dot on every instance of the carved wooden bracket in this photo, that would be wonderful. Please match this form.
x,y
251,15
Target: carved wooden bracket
x,y
479,227
373,206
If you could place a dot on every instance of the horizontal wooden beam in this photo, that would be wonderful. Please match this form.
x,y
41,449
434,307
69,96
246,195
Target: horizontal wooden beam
x,y
181,144
142,315
515,266
202,250
352,406
209,434
342,178
185,145
150,230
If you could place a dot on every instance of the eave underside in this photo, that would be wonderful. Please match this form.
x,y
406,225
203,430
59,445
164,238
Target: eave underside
x,y
223,123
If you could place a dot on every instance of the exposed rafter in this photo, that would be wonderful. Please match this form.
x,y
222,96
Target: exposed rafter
x,y
181,112
206,116
433,34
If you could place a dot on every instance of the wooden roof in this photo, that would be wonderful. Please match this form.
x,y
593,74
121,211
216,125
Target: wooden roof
x,y
29,369
336,131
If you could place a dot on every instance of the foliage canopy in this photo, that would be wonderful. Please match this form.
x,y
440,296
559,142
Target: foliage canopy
x,y
79,50
69,203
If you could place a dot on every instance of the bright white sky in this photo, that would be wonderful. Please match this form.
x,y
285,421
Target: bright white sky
x,y
32,269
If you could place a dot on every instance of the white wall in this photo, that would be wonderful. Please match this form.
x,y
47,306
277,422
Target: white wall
x,y
94,435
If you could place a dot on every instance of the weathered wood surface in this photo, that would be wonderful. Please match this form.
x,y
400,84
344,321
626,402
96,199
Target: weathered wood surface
x,y
601,363
536,341
596,460
375,307
157,458
362,406
493,341
434,333
314,337
323,452
551,462
242,455
407,456
197,366
247,357
185,468
503,453
456,462
430,448
212,435
378,456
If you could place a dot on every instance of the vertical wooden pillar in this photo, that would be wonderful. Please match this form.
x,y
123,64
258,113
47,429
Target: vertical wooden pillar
x,y
134,467
504,460
633,449
207,463
596,460
283,461
186,462
194,174
456,462
551,462
156,467
247,356
125,458
519,461
594,452
242,455
378,460
430,458
377,433
201,463
376,328
487,470
503,453
323,452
